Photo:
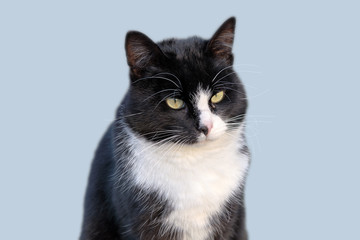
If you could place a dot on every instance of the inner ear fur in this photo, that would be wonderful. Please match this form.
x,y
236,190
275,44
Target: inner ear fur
x,y
221,43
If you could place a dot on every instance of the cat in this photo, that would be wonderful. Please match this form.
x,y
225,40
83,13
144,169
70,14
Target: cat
x,y
173,163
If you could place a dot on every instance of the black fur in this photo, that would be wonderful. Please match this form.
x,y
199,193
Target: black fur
x,y
115,208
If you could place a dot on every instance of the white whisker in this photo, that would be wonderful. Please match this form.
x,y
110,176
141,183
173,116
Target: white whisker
x,y
165,90
223,78
156,77
167,96
220,72
171,75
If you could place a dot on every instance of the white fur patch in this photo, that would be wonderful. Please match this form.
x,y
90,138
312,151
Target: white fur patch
x,y
196,179
207,118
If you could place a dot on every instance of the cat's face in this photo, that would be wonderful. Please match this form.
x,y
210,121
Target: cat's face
x,y
183,91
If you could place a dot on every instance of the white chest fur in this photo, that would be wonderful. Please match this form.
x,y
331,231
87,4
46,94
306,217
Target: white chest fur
x,y
197,180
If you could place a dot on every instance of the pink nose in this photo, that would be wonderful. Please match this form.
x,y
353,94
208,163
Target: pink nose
x,y
206,128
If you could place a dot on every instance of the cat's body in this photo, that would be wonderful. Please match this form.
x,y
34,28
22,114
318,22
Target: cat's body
x,y
173,170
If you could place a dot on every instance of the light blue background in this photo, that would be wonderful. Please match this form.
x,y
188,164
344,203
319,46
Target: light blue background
x,y
63,72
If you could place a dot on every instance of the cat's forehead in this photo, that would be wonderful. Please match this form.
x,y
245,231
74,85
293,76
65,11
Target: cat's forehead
x,y
183,49
189,62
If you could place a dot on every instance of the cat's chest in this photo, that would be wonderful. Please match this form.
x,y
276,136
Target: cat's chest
x,y
197,182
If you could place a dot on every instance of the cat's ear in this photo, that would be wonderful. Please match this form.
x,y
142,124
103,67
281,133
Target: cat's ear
x,y
221,43
141,51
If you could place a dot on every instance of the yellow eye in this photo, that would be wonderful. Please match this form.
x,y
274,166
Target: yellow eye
x,y
218,97
175,103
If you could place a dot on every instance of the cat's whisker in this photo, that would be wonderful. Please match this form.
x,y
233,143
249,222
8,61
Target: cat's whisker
x,y
259,94
249,118
239,71
235,119
258,121
169,149
160,136
217,81
157,77
245,68
260,116
230,134
156,144
220,72
232,89
227,83
182,143
144,78
223,86
161,131
246,65
168,79
236,116
178,146
233,126
246,71
227,97
167,96
241,118
129,115
171,75
165,90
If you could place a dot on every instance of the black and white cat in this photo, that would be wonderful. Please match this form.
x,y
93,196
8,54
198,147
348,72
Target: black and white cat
x,y
173,163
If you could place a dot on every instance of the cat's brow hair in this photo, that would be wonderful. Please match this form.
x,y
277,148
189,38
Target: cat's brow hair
x,y
167,96
234,66
221,72
163,78
167,73
223,78
161,91
229,88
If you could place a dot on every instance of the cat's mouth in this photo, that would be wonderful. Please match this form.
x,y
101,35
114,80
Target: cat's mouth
x,y
208,138
202,138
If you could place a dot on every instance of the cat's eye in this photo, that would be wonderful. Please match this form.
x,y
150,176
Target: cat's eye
x,y
175,103
218,97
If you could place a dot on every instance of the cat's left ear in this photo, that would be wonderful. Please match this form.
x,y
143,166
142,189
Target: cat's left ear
x,y
221,43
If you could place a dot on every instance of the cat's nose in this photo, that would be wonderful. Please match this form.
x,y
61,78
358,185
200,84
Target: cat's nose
x,y
205,128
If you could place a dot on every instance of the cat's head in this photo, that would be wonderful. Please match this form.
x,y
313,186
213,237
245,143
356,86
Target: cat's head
x,y
183,90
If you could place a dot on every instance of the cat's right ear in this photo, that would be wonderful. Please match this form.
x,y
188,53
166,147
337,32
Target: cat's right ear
x,y
141,52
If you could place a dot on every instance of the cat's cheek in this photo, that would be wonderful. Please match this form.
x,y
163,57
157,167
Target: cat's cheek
x,y
219,128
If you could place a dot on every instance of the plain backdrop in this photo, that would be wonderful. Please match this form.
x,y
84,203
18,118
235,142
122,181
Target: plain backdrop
x,y
63,72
